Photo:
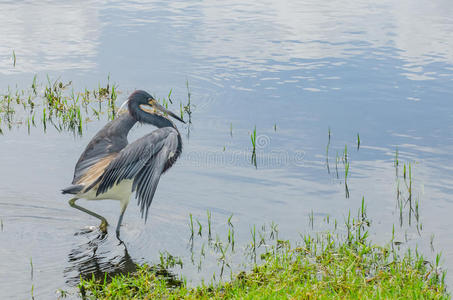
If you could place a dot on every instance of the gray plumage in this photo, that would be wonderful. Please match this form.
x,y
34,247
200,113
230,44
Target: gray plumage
x,y
143,161
112,138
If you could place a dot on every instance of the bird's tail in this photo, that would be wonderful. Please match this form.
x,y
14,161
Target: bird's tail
x,y
72,189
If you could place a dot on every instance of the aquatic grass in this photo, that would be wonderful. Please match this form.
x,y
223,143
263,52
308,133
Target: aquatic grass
x,y
253,140
327,264
191,226
253,160
203,252
31,268
167,260
165,103
231,238
253,243
229,221
65,108
28,125
188,106
169,96
34,85
181,111
112,101
209,224
346,171
44,120
357,230
223,258
405,194
231,232
200,227
274,231
358,141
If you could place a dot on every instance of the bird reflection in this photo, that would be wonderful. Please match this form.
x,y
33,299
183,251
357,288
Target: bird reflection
x,y
96,256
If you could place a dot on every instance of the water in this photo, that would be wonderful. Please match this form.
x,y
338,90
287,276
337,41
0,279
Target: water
x,y
381,70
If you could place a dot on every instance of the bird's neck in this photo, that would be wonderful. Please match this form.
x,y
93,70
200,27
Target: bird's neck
x,y
123,123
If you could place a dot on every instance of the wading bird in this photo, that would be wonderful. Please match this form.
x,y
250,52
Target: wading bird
x,y
110,168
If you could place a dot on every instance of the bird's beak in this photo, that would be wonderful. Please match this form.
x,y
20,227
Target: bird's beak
x,y
159,107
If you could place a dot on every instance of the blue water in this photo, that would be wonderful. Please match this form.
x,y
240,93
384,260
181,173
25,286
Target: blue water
x,y
293,70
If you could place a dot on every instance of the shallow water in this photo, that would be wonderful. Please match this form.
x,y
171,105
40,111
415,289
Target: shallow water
x,y
292,70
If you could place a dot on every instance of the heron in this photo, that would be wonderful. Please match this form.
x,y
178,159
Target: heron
x,y
111,168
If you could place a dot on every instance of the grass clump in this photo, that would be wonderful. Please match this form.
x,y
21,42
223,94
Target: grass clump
x,y
322,265
340,271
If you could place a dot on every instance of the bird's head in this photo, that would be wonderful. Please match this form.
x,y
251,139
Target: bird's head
x,y
144,108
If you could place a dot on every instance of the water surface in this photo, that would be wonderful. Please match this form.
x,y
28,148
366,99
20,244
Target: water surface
x,y
293,70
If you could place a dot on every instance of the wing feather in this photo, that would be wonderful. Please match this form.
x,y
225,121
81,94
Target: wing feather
x,y
143,161
110,140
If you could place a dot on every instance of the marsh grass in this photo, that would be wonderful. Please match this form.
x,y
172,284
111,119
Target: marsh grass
x,y
406,198
343,158
335,263
58,105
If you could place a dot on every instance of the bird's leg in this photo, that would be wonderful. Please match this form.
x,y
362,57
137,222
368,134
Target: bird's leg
x,y
120,219
104,223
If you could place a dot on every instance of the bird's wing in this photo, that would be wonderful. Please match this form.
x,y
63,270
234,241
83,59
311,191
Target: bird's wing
x,y
101,150
143,161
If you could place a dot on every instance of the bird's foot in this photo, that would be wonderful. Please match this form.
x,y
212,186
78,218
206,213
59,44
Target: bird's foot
x,y
103,226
